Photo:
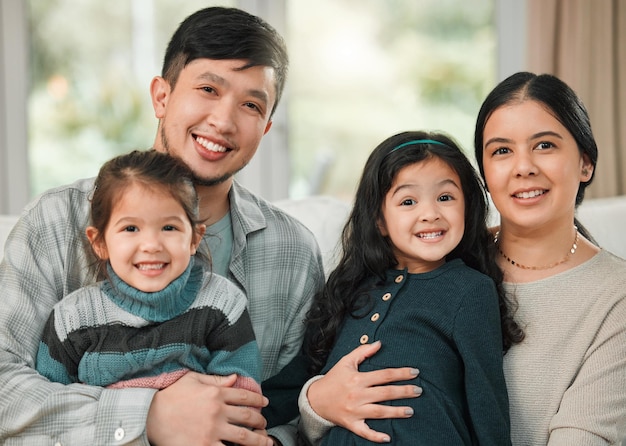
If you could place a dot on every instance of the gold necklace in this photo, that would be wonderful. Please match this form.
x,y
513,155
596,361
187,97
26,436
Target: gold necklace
x,y
570,253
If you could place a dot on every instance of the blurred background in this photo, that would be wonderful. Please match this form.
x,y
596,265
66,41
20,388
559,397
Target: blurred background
x,y
75,80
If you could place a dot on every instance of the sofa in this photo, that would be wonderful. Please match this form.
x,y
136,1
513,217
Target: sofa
x,y
325,216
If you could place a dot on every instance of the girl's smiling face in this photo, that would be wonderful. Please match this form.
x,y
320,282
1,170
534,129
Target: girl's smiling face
x,y
148,239
424,215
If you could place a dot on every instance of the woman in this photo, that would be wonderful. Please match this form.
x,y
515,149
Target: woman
x,y
567,379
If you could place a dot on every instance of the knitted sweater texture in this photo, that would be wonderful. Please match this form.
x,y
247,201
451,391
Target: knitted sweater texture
x,y
111,334
567,379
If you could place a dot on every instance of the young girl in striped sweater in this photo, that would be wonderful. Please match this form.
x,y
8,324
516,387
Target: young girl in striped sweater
x,y
158,312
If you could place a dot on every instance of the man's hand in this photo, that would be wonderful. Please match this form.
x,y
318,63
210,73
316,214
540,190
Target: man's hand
x,y
205,410
347,397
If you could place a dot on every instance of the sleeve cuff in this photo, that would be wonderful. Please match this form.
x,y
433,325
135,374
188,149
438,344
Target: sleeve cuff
x,y
286,433
122,415
312,426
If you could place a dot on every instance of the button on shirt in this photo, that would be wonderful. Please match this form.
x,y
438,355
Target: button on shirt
x,y
275,261
381,308
446,323
119,434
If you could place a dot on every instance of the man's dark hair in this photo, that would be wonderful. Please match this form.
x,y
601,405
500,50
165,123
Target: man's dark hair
x,y
226,33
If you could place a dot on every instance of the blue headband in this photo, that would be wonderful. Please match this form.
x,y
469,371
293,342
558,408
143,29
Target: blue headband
x,y
417,141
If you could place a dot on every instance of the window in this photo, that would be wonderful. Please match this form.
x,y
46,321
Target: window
x,y
91,66
361,70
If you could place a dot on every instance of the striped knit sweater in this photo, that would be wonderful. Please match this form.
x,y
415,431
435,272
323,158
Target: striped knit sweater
x,y
111,334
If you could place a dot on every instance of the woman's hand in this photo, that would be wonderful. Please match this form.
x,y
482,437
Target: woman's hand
x,y
347,397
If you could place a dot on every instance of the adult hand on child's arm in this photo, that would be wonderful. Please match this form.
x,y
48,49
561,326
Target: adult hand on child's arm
x,y
207,410
347,397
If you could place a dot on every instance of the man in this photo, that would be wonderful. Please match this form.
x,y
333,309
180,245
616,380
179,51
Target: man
x,y
223,75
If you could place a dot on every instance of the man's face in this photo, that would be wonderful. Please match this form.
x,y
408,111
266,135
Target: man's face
x,y
215,116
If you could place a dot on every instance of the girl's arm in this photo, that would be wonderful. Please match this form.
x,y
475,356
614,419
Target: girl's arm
x,y
236,351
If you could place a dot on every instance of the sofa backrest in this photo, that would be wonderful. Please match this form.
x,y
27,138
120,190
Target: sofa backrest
x,y
325,216
605,218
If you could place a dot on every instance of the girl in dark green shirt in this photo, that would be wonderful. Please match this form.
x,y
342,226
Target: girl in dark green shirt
x,y
418,273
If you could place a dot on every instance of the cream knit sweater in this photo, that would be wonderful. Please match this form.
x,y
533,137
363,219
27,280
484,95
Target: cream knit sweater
x,y
567,379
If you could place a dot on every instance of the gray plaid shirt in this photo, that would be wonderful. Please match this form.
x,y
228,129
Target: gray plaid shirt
x,y
275,261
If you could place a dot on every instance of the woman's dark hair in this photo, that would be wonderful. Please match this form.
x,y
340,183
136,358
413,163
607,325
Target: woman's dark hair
x,y
366,253
222,34
150,169
558,99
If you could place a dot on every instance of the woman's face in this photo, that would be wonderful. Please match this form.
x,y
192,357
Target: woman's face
x,y
532,165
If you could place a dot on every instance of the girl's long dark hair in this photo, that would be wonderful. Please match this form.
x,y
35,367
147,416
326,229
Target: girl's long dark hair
x,y
367,254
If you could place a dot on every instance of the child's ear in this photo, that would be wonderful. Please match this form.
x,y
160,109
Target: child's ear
x,y
198,233
98,245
